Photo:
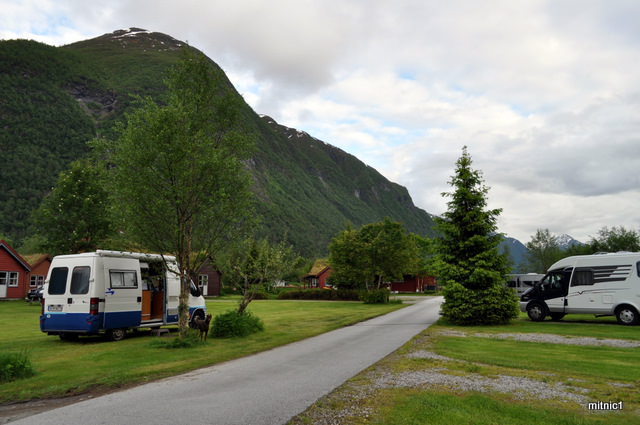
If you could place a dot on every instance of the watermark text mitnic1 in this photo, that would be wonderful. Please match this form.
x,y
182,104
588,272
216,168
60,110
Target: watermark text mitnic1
x,y
605,405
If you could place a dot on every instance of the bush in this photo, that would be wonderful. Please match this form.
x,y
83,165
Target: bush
x,y
15,366
232,324
320,294
494,306
375,296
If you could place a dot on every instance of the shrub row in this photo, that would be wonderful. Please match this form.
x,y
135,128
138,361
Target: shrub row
x,y
320,294
375,296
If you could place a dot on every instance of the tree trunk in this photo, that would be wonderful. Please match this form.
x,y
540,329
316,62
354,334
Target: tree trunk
x,y
185,280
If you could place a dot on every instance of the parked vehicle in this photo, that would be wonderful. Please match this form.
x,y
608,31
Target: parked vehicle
x,y
521,282
599,284
111,292
35,294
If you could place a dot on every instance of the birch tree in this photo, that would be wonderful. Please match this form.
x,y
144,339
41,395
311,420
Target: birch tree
x,y
178,179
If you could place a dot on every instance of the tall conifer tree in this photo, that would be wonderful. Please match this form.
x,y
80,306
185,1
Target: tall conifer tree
x,y
470,265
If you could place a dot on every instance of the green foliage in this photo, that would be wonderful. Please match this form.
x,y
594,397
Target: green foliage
x,y
375,296
74,217
374,253
15,366
542,251
615,239
43,128
469,263
234,324
494,305
251,265
321,294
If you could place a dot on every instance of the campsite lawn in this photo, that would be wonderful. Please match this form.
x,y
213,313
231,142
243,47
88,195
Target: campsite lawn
x,y
434,378
67,368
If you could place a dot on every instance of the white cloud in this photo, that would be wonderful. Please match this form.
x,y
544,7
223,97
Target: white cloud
x,y
545,94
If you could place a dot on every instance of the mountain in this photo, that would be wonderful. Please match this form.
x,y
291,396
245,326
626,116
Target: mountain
x,y
565,241
54,99
518,251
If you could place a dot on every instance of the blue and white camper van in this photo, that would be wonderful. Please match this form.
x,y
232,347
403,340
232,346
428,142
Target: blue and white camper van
x,y
111,292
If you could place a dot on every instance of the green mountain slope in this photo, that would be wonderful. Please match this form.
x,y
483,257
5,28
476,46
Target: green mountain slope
x,y
53,100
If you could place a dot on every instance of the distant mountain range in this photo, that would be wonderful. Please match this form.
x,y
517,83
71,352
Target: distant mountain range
x,y
518,250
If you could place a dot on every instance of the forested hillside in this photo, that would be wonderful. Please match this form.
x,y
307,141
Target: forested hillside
x,y
53,100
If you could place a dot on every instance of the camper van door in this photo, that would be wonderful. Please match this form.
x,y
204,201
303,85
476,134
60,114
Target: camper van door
x,y
123,293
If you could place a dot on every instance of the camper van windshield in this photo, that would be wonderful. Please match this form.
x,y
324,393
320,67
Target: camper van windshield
x,y
552,281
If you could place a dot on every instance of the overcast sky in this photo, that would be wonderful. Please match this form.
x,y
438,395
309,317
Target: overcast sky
x,y
545,94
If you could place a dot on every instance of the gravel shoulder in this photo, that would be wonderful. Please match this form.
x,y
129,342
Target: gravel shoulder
x,y
351,399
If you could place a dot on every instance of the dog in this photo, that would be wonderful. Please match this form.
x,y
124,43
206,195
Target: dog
x,y
203,326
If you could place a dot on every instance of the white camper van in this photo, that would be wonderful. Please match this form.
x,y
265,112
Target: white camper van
x,y
523,281
599,284
112,291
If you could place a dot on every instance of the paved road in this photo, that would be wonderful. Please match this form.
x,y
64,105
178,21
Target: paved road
x,y
267,388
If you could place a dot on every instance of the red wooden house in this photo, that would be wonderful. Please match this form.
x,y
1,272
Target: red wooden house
x,y
14,271
412,283
39,268
317,276
209,280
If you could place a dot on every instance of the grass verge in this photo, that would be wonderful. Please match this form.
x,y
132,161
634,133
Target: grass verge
x,y
484,375
65,368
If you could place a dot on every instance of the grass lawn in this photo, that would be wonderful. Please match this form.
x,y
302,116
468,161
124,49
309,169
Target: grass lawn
x,y
450,374
67,368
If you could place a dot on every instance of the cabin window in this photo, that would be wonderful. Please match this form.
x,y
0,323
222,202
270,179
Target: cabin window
x,y
80,280
58,281
36,281
10,278
123,279
582,278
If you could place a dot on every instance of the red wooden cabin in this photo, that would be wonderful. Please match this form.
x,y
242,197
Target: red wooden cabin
x,y
14,271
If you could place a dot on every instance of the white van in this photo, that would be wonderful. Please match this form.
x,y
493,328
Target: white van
x,y
599,284
523,281
112,291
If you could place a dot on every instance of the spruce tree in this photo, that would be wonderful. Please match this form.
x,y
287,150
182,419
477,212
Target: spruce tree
x,y
469,263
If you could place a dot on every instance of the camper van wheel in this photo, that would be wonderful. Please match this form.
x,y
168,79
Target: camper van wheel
x,y
116,334
536,311
627,315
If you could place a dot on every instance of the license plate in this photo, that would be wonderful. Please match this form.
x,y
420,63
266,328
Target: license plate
x,y
55,307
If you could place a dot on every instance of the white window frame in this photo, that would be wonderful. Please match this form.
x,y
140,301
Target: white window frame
x,y
36,281
10,279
